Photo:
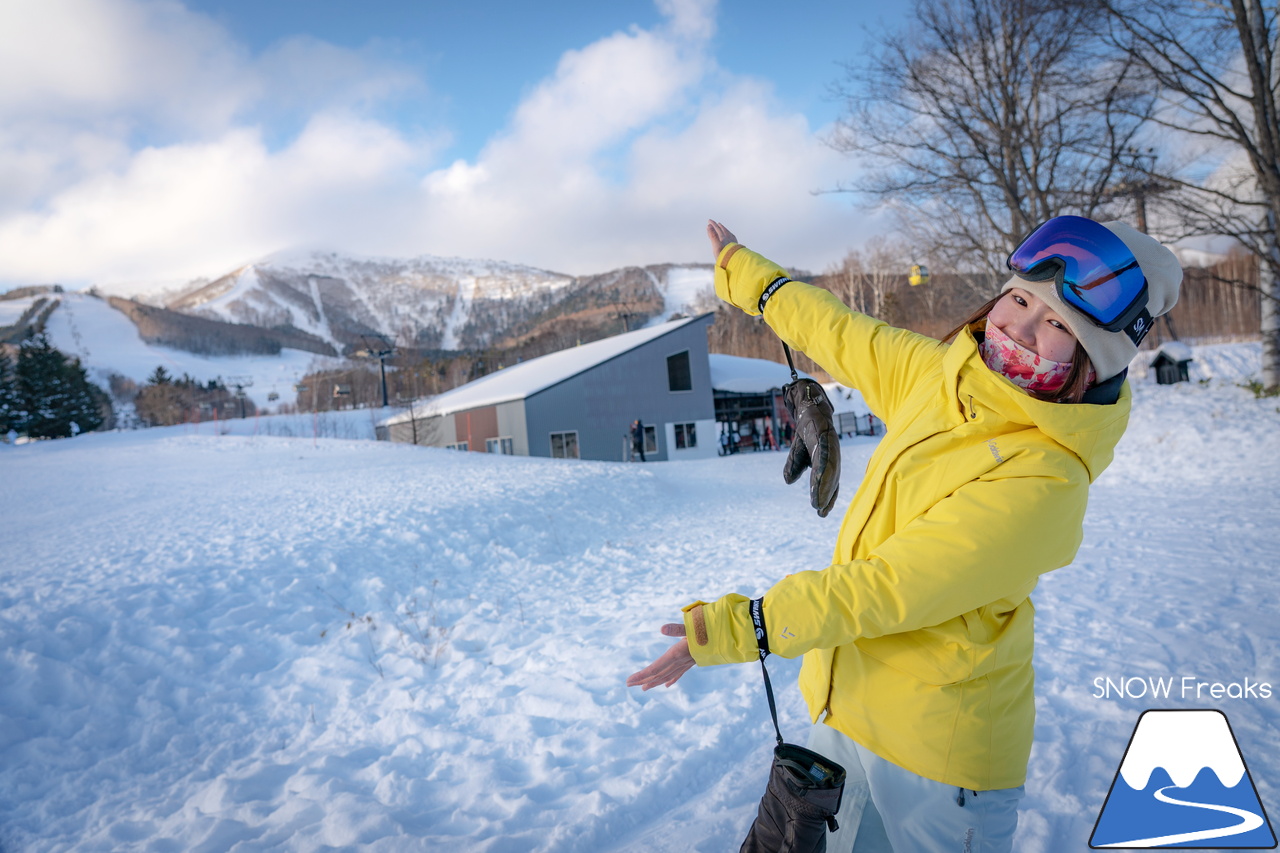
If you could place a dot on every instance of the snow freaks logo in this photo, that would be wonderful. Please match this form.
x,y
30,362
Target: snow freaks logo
x,y
1188,687
1182,783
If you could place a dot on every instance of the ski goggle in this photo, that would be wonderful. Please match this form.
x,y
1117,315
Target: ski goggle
x,y
1093,270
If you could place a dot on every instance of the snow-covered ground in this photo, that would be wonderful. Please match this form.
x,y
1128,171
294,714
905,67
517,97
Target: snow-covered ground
x,y
350,424
258,642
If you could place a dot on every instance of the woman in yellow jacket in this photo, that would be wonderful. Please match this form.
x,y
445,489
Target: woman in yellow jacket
x,y
917,639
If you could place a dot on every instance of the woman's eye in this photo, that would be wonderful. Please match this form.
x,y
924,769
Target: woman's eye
x,y
1018,299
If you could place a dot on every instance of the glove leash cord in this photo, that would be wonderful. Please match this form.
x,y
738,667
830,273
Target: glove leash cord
x,y
794,376
773,288
762,640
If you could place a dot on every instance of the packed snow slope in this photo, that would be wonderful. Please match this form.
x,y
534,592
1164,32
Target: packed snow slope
x,y
253,642
107,342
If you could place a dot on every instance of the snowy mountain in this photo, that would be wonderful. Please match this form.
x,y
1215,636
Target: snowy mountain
x,y
429,303
274,319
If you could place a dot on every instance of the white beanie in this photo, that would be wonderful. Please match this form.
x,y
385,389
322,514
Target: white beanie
x,y
1111,352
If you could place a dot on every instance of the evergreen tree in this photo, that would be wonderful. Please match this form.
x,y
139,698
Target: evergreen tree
x,y
85,404
10,407
54,393
161,402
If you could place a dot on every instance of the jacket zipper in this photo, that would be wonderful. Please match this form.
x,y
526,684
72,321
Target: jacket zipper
x,y
960,798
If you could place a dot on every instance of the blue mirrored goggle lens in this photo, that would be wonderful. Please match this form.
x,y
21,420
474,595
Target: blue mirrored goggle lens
x,y
1096,273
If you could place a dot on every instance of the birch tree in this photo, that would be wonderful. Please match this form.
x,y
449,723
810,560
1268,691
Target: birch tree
x,y
1214,66
983,118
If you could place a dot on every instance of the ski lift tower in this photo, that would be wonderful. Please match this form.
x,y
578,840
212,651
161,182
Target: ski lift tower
x,y
381,354
240,383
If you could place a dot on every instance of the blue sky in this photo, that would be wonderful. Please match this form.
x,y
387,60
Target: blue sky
x,y
158,141
478,59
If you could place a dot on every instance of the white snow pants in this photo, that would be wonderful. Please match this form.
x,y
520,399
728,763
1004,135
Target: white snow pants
x,y
886,808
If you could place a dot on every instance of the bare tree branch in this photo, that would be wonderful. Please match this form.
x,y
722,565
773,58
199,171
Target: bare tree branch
x,y
986,117
1214,66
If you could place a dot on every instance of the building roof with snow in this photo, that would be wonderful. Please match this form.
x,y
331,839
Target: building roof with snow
x,y
538,374
739,375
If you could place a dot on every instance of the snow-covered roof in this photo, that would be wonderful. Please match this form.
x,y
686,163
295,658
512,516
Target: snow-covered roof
x,y
527,378
758,376
748,375
845,399
1175,350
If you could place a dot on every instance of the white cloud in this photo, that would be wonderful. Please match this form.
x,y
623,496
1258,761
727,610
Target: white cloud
x,y
90,59
599,94
622,155
694,19
738,160
81,81
204,208
616,158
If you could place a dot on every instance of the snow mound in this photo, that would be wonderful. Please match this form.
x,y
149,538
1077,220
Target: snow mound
x,y
1202,430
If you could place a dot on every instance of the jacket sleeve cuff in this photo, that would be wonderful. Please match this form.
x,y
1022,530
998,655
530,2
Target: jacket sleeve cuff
x,y
742,275
721,632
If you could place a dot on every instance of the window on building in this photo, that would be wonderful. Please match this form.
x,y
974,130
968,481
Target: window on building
x,y
686,436
650,439
503,446
461,445
679,377
564,445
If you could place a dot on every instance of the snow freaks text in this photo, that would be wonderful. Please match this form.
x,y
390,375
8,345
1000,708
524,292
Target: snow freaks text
x,y
1175,687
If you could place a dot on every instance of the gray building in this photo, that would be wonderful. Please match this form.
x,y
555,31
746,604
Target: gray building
x,y
580,403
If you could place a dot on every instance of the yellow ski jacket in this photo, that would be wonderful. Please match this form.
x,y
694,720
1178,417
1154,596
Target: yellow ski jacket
x,y
917,639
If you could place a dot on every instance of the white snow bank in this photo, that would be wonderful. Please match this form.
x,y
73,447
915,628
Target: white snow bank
x,y
347,424
1234,362
1204,431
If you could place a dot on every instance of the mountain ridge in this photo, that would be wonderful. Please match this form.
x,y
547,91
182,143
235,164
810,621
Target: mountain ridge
x,y
424,303
468,315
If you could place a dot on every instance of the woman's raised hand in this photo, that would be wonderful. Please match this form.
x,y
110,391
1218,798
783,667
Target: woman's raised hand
x,y
719,237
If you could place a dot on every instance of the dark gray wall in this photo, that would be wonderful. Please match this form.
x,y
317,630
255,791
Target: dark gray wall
x,y
602,402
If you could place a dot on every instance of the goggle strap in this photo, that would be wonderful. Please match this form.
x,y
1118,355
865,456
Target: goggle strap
x,y
1139,327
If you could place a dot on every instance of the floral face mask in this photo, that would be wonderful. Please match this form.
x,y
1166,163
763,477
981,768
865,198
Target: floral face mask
x,y
1020,365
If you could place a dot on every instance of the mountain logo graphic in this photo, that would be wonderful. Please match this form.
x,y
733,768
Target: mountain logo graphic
x,y
1183,783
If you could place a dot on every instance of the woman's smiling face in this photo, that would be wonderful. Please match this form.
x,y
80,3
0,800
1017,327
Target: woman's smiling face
x,y
1027,319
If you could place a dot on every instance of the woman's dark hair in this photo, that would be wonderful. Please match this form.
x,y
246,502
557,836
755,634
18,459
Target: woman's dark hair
x,y
1077,381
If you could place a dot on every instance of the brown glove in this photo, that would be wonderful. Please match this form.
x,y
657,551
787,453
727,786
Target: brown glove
x,y
816,444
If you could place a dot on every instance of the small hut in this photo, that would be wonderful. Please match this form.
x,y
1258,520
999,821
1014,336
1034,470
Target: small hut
x,y
1170,363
